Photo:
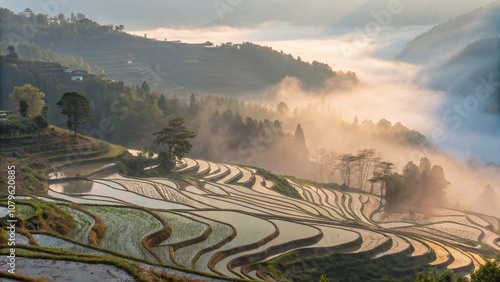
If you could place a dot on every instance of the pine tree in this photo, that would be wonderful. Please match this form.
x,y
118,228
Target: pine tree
x,y
299,135
76,108
175,137
163,105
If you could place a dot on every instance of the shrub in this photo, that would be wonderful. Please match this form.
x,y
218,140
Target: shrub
x,y
40,122
18,125
486,273
435,275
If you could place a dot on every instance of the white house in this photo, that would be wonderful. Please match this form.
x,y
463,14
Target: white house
x,y
77,78
3,116
68,70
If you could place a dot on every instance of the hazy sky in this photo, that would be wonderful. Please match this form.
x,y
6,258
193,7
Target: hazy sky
x,y
147,14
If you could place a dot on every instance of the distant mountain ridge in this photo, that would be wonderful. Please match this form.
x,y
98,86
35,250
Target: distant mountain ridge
x,y
171,67
461,55
454,35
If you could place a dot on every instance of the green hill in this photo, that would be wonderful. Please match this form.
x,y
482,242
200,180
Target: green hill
x,y
169,66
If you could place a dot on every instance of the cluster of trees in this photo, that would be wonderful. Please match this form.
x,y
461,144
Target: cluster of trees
x,y
71,31
31,110
424,184
30,51
489,272
277,65
384,129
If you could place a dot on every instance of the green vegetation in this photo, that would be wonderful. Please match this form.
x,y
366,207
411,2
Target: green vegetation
x,y
281,185
423,184
489,272
30,51
293,267
126,225
324,278
226,68
486,273
41,216
32,97
76,108
435,275
175,137
83,225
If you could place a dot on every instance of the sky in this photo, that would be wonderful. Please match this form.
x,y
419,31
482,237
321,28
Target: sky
x,y
149,14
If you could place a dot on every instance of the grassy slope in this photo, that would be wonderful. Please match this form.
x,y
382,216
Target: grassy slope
x,y
281,185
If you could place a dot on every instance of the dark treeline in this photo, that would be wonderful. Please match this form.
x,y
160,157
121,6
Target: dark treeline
x,y
227,129
51,80
275,64
367,170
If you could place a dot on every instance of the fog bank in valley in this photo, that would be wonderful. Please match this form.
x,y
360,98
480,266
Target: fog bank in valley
x,y
388,89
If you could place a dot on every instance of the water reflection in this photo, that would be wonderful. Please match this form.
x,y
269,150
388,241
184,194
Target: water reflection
x,y
77,186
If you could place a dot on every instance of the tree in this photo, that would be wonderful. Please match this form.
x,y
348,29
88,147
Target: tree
x,y
367,160
23,108
324,278
12,55
76,108
299,135
490,271
382,174
163,105
282,108
175,137
32,96
145,88
437,185
80,16
61,18
435,275
346,166
193,105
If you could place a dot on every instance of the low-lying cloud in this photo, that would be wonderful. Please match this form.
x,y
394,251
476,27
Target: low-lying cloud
x,y
388,89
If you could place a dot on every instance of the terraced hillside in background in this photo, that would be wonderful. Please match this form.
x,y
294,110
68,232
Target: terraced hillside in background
x,y
225,222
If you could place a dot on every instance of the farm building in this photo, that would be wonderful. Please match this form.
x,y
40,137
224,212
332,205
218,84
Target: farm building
x,y
3,116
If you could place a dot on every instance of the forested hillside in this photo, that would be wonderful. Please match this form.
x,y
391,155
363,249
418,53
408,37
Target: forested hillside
x,y
454,35
460,55
167,66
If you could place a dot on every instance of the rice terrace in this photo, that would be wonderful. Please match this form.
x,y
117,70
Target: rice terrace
x,y
224,140
215,221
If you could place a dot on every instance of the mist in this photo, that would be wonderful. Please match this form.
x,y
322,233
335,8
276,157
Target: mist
x,y
388,89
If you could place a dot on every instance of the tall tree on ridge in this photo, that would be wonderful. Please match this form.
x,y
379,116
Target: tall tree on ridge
x,y
76,108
